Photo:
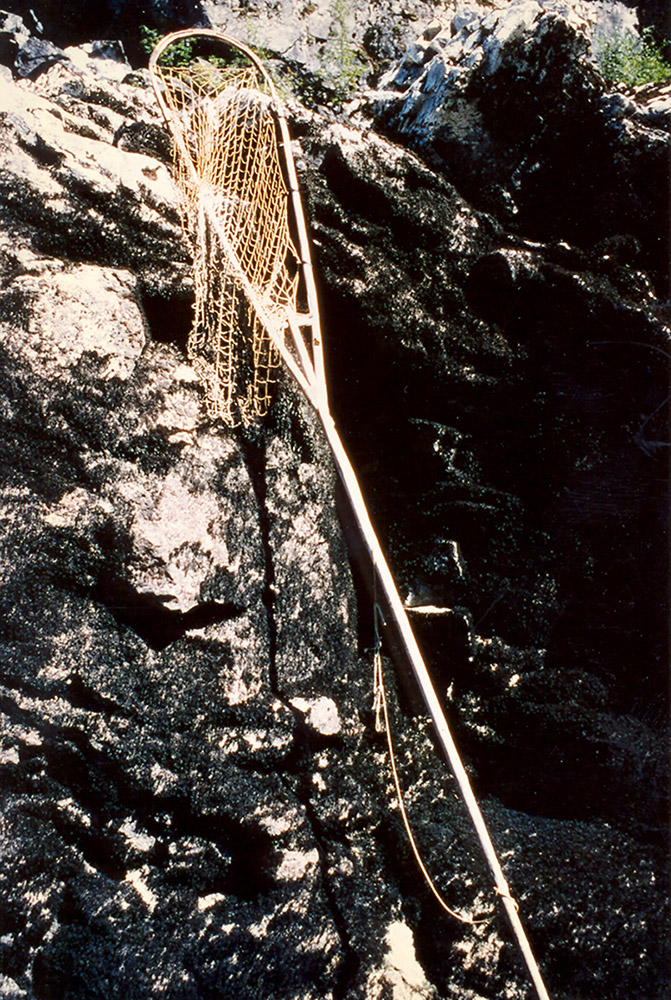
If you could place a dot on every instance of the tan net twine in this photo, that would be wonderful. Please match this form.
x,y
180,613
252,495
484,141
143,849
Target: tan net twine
x,y
234,204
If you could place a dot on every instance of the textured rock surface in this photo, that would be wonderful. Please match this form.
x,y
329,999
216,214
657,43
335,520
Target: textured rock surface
x,y
325,35
508,104
195,803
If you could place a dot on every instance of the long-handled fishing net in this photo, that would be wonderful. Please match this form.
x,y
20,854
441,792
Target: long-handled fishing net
x,y
256,304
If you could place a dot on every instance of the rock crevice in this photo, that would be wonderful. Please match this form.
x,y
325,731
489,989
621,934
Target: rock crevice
x,y
194,802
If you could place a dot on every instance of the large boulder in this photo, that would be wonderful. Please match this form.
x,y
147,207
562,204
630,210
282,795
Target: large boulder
x,y
508,103
195,801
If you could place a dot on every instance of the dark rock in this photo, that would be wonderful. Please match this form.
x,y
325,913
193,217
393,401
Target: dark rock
x,y
87,19
35,56
656,16
27,55
505,102
195,802
13,34
383,41
442,461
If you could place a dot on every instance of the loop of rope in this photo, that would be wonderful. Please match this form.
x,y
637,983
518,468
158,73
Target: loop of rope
x,y
382,722
506,895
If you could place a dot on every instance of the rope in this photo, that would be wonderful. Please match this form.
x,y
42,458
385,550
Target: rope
x,y
382,723
506,895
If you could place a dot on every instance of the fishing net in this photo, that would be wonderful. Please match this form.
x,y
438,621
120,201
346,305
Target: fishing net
x,y
234,202
226,127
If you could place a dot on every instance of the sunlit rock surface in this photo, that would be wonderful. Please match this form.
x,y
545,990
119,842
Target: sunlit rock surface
x,y
508,103
195,803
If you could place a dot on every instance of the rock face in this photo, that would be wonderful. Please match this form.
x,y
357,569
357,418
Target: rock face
x,y
195,803
505,101
340,40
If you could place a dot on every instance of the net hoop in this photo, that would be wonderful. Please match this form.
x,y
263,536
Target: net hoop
x,y
244,223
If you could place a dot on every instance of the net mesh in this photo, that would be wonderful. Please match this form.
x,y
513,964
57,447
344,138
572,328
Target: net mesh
x,y
234,204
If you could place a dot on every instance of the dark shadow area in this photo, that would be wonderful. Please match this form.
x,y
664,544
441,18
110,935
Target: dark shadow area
x,y
155,624
84,20
169,317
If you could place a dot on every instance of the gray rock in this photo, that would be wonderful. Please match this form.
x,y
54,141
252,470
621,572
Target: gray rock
x,y
195,803
35,56
102,58
338,41
502,99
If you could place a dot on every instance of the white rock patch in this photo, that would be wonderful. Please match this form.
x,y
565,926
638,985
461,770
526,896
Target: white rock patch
x,y
296,864
321,714
136,879
75,311
401,973
180,530
138,841
206,902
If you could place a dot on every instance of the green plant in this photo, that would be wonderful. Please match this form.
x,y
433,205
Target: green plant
x,y
633,61
340,60
179,54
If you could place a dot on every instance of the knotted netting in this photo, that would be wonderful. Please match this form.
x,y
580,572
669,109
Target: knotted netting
x,y
234,202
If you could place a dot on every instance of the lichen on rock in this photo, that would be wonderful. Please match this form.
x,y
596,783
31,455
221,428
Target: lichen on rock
x,y
195,802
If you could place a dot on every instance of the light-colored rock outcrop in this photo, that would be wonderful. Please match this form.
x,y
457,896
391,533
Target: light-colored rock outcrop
x,y
194,801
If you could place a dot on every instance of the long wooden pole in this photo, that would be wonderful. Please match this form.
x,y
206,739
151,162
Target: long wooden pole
x,y
351,484
310,375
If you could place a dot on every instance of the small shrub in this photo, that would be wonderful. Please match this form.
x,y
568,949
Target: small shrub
x,y
178,54
182,53
340,61
633,61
